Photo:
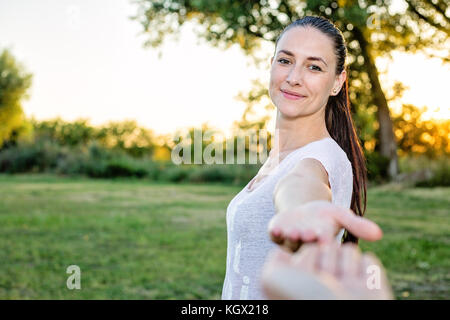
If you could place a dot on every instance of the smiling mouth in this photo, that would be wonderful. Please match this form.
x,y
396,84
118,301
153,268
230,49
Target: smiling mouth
x,y
292,96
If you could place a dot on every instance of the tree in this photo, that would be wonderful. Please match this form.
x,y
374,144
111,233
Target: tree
x,y
78,132
417,136
369,27
14,84
127,136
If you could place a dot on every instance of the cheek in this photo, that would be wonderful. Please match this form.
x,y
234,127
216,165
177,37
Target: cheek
x,y
274,82
277,75
273,79
318,85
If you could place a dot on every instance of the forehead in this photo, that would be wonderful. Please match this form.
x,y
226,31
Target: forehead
x,y
306,41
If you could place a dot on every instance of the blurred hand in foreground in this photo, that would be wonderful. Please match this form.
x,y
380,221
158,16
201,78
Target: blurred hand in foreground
x,y
326,272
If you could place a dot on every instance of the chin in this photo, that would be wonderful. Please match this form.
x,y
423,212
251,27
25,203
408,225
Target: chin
x,y
289,111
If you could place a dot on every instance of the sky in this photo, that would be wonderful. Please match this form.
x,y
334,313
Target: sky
x,y
88,61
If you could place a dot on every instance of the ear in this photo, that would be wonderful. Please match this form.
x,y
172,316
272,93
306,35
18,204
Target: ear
x,y
339,82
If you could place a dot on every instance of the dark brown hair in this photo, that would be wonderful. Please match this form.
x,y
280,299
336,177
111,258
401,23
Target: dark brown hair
x,y
338,118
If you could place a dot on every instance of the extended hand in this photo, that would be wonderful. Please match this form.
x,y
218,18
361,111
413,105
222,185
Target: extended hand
x,y
325,272
318,221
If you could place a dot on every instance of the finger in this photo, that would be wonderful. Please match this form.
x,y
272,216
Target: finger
x,y
277,229
325,234
276,259
292,241
349,261
273,226
288,283
307,258
293,235
360,227
276,235
279,256
307,235
325,238
292,245
283,256
328,258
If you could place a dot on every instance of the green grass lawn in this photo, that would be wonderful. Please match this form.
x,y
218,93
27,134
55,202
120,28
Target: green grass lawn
x,y
134,239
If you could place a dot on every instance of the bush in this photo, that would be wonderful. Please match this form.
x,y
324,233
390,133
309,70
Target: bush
x,y
94,169
440,176
211,173
155,168
175,173
377,167
97,161
73,164
92,160
41,156
100,153
123,168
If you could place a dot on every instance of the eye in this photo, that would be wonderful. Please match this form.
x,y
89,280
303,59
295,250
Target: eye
x,y
318,68
279,60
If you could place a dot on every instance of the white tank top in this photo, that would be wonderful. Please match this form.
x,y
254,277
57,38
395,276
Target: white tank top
x,y
249,213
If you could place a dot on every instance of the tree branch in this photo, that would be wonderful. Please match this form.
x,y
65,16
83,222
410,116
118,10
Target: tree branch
x,y
440,9
428,20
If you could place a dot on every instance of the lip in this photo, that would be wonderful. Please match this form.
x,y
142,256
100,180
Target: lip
x,y
291,95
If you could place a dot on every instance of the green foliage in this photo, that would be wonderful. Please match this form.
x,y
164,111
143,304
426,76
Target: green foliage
x,y
14,85
421,170
440,175
416,136
48,156
40,156
214,173
105,166
75,133
377,167
124,136
74,163
128,136
175,173
123,168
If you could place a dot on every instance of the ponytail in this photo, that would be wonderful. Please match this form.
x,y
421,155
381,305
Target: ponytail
x,y
342,129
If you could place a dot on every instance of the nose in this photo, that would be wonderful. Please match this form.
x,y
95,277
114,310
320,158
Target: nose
x,y
295,77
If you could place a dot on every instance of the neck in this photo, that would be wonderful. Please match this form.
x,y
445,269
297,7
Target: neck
x,y
293,133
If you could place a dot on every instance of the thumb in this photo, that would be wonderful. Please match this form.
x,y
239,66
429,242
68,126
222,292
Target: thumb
x,y
360,227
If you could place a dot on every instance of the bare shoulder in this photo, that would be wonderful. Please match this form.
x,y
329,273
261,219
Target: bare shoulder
x,y
310,168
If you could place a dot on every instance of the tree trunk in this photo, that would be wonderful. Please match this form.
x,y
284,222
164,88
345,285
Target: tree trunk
x,y
388,144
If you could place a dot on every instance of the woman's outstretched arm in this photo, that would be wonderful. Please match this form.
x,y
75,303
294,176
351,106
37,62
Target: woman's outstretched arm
x,y
304,212
307,181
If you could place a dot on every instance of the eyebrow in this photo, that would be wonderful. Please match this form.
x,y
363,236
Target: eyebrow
x,y
308,58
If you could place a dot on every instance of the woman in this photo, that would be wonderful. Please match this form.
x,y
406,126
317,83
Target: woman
x,y
315,171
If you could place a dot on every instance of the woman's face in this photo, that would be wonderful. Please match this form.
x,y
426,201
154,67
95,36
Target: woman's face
x,y
305,64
